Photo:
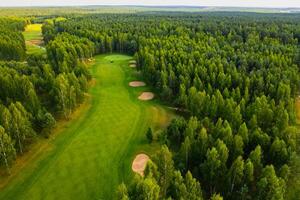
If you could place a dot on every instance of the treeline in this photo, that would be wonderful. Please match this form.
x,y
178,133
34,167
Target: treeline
x,y
12,43
161,181
78,49
237,76
239,79
36,92
241,86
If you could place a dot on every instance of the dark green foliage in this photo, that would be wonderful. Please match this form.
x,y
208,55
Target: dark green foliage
x,y
270,186
149,135
235,75
162,181
33,92
12,43
122,193
238,75
7,150
17,130
45,122
65,52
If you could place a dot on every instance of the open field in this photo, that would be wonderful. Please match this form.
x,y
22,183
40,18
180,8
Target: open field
x,y
93,153
34,39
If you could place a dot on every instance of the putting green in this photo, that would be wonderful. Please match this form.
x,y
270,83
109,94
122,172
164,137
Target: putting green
x,y
93,153
117,57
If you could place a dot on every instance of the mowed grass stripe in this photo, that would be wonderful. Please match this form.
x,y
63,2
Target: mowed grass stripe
x,y
94,153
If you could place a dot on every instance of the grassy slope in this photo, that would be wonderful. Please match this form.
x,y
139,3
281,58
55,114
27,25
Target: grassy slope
x,y
93,154
33,32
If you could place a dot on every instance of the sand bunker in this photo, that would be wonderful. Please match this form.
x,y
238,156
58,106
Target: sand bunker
x,y
139,163
132,62
137,84
132,65
146,96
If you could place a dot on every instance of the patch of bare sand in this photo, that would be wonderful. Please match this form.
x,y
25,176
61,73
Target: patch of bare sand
x,y
35,42
132,65
137,84
145,96
139,163
132,62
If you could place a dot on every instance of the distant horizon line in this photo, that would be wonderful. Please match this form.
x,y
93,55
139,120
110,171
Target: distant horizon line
x,y
137,5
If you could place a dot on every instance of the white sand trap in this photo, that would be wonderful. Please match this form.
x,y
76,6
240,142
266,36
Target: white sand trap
x,y
139,163
145,96
132,62
132,65
137,84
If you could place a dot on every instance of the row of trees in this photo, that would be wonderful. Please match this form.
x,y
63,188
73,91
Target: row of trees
x,y
16,131
20,107
66,52
35,92
67,55
162,181
12,45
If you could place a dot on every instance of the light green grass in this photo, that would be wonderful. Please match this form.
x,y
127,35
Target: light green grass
x,y
117,57
94,153
33,32
34,49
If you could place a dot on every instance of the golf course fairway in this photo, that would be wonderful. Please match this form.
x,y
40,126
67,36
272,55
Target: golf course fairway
x,y
34,39
92,153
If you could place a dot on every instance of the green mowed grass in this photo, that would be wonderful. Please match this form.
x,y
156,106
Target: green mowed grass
x,y
94,153
117,57
34,49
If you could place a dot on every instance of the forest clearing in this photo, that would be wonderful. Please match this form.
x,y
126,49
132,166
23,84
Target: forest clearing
x,y
34,38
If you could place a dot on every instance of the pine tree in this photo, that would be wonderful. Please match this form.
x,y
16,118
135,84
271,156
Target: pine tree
x,y
269,185
165,165
122,193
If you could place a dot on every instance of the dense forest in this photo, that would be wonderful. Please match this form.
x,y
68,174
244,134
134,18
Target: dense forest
x,y
37,89
235,76
12,44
